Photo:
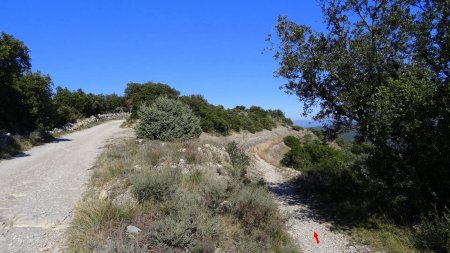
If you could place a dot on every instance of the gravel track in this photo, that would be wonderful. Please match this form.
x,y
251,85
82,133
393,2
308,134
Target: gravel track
x,y
39,189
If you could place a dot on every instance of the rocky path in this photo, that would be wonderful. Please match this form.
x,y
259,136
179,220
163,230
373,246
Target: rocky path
x,y
39,189
302,221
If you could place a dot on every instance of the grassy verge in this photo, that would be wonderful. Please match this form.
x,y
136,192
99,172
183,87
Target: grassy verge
x,y
381,235
183,197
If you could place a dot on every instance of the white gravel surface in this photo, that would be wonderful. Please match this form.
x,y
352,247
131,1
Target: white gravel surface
x,y
39,189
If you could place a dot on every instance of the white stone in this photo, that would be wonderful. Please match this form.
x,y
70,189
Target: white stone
x,y
133,230
103,195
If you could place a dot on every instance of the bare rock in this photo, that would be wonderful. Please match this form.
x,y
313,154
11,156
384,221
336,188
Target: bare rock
x,y
125,199
103,194
133,230
225,207
183,167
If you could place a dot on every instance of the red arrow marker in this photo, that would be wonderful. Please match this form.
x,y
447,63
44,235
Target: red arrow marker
x,y
317,237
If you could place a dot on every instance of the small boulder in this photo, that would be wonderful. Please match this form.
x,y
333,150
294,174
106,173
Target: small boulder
x,y
126,198
133,230
103,195
225,207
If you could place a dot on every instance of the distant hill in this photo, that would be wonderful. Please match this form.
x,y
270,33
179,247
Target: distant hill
x,y
307,123
348,136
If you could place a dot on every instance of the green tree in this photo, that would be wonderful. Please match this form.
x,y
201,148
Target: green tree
x,y
137,94
36,93
382,68
14,62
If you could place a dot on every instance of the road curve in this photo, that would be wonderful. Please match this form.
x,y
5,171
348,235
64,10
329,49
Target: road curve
x,y
39,189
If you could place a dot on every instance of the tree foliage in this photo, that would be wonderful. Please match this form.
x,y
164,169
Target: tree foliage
x,y
382,67
36,92
72,105
220,120
27,100
137,94
14,63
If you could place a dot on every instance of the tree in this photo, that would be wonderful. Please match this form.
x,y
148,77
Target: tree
x,y
381,68
14,62
36,93
137,94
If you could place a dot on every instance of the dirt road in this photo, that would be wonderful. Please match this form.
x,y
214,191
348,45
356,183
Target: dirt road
x,y
39,189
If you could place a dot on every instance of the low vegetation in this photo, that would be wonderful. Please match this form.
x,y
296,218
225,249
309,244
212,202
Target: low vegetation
x,y
11,145
213,118
189,196
217,119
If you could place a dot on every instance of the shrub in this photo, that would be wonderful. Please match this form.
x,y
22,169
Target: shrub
x,y
297,128
167,120
90,220
239,159
434,232
311,155
217,119
155,184
187,226
291,141
8,146
40,136
254,206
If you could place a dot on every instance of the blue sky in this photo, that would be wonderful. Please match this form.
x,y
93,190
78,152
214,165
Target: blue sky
x,y
214,48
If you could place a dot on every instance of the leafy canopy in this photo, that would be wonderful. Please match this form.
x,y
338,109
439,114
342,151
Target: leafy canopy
x,y
382,67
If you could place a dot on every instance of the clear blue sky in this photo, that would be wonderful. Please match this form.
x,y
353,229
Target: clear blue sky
x,y
214,48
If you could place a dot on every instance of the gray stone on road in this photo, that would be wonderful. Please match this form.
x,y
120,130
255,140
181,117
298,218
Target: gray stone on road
x,y
39,189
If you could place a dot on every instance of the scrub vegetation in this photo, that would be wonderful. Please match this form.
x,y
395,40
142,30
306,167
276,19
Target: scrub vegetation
x,y
189,196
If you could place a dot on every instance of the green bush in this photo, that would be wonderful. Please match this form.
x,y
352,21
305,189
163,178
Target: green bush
x,y
434,232
155,184
40,136
167,120
330,175
217,119
254,207
187,226
311,155
291,141
297,128
239,159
